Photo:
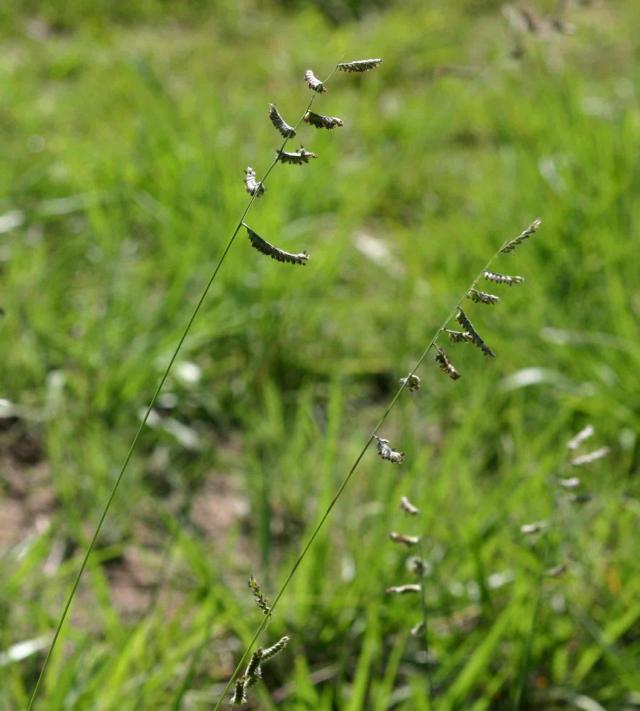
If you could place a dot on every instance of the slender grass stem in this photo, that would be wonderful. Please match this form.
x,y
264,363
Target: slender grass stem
x,y
425,626
316,530
134,443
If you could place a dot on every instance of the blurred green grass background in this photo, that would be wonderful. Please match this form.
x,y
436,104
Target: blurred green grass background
x,y
124,134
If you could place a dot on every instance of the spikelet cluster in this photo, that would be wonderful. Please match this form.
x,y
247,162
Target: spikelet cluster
x,y
258,596
253,186
360,65
482,297
320,121
404,538
446,366
408,507
314,83
387,452
253,672
503,278
412,382
523,236
458,336
274,252
475,337
280,124
295,157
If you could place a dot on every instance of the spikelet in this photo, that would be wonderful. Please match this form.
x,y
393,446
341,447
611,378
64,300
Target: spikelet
x,y
503,278
412,382
314,83
446,366
320,121
528,529
281,125
403,589
261,600
459,336
570,483
387,452
253,186
417,629
239,697
408,507
531,230
360,65
482,297
275,252
402,538
462,319
590,457
295,157
276,648
581,437
253,671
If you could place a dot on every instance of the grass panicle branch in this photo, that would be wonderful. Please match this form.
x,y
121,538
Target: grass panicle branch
x,y
459,315
255,189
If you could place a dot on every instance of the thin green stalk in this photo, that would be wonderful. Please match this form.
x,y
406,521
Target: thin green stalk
x,y
345,481
425,625
134,443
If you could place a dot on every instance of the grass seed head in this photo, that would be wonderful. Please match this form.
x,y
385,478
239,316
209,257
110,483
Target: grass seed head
x,y
320,121
280,124
412,382
295,157
275,649
515,243
253,187
476,339
403,538
503,278
446,366
387,452
404,589
359,65
314,83
408,507
264,247
261,600
482,297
